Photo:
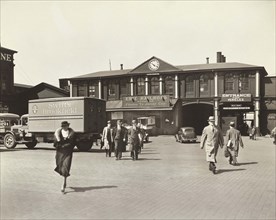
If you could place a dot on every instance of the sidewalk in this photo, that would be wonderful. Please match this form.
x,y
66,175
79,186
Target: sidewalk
x,y
170,181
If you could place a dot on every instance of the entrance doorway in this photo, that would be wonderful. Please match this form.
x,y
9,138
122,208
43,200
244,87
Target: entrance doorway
x,y
196,115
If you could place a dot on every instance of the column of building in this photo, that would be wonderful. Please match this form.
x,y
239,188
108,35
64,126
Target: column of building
x,y
216,101
257,102
176,86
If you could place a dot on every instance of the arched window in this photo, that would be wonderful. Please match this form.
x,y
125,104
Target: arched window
x,y
168,85
154,85
140,86
203,84
190,85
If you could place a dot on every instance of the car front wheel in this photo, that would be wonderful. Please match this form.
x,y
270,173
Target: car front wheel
x,y
9,141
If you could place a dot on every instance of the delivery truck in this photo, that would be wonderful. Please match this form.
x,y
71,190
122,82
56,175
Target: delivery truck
x,y
87,117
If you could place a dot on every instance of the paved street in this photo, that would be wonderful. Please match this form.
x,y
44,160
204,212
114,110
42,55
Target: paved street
x,y
170,181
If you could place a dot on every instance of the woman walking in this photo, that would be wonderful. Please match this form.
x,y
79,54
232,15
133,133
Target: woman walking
x,y
64,143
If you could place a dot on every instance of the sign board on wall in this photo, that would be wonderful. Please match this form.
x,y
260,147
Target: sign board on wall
x,y
236,98
117,115
146,101
237,106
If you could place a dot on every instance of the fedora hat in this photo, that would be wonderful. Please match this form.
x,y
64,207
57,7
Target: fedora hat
x,y
211,118
133,121
65,123
232,123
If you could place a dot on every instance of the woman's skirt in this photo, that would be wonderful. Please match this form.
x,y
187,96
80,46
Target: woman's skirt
x,y
63,161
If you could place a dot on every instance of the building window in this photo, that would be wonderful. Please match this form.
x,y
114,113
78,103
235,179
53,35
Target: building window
x,y
168,87
92,90
154,86
82,89
189,85
243,82
123,87
140,86
111,89
229,82
203,84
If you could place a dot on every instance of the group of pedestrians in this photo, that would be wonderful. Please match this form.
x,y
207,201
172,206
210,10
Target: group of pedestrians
x,y
121,138
212,139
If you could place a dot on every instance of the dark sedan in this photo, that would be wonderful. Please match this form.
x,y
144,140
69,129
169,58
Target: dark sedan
x,y
186,134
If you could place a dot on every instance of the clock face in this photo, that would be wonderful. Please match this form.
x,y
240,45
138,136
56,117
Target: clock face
x,y
154,64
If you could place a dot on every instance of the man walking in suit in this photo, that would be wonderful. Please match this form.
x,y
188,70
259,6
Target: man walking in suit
x,y
107,139
211,139
233,142
119,135
134,136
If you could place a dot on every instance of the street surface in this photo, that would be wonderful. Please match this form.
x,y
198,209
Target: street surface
x,y
170,181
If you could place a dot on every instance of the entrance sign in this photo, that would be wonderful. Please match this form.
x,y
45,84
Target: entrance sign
x,y
146,101
236,98
237,107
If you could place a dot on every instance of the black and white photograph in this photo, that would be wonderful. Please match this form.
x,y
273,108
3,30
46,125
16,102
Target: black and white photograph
x,y
129,109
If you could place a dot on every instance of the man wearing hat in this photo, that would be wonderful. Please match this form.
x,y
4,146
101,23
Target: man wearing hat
x,y
64,143
211,139
107,139
233,142
119,135
133,140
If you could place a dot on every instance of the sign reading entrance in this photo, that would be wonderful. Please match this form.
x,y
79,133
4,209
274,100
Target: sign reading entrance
x,y
236,98
146,101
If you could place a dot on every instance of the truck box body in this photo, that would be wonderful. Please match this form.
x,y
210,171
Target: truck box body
x,y
85,115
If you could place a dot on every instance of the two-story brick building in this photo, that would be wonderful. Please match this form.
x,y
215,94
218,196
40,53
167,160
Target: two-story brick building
x,y
176,96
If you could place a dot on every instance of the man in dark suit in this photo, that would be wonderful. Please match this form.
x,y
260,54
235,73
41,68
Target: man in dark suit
x,y
119,135
233,142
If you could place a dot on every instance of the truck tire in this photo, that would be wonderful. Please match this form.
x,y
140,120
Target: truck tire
x,y
9,141
31,145
84,145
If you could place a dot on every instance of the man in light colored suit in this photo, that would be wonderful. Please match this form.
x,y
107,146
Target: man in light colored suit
x,y
233,142
211,139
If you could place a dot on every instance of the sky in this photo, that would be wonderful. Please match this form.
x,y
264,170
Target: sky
x,y
62,39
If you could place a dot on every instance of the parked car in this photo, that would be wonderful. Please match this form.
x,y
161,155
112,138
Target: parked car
x,y
186,134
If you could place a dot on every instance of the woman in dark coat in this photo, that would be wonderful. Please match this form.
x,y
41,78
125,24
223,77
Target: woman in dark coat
x,y
64,143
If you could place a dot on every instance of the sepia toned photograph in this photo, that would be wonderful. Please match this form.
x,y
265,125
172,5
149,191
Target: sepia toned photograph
x,y
137,109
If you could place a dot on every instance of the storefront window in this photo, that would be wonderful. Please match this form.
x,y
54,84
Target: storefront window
x,y
168,88
154,85
203,83
189,85
140,86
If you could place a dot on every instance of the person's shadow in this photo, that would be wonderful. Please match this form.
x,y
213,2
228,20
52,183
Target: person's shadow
x,y
228,170
84,189
246,163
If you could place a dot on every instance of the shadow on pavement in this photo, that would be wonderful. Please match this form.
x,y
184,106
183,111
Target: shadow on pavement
x,y
84,189
149,159
228,170
246,163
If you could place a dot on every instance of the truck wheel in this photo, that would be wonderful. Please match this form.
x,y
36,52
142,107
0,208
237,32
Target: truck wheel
x,y
9,141
84,145
31,145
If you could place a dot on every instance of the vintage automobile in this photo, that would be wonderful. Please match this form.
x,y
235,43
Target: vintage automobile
x,y
186,134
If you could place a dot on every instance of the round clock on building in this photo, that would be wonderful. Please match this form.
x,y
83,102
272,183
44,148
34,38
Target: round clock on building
x,y
154,64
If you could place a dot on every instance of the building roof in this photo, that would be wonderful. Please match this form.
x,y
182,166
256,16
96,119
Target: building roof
x,y
8,49
182,69
22,85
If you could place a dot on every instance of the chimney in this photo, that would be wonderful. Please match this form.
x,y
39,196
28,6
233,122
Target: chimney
x,y
122,66
219,57
207,60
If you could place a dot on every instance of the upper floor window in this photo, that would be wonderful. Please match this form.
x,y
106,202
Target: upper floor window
x,y
92,89
140,86
82,89
204,83
123,87
243,82
111,88
168,85
229,82
190,85
154,85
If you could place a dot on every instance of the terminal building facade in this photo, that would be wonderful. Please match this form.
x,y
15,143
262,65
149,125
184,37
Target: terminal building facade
x,y
178,96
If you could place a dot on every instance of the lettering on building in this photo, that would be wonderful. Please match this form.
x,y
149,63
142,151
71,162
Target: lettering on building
x,y
6,57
